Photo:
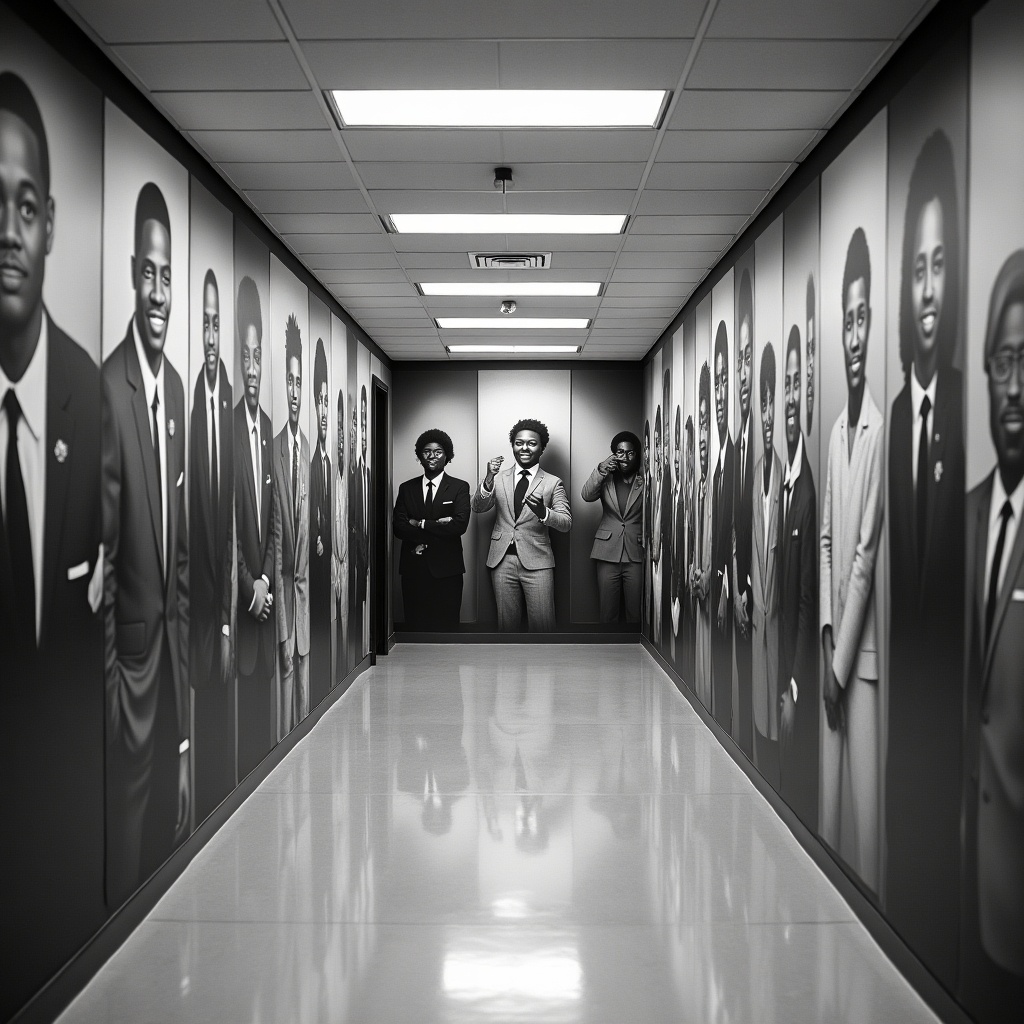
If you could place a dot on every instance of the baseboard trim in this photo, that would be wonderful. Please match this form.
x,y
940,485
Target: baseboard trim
x,y
618,637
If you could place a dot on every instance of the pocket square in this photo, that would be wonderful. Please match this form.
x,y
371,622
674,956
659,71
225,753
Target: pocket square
x,y
1018,595
76,572
447,503
796,532
181,479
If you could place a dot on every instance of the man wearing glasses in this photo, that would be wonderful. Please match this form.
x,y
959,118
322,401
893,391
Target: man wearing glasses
x,y
617,542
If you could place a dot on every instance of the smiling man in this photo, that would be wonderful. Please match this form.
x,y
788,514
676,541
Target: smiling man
x,y
146,606
851,530
529,503
320,536
291,556
926,565
210,550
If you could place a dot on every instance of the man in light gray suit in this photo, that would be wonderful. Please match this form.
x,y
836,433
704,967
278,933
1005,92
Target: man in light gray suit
x,y
764,584
851,528
291,556
528,502
618,541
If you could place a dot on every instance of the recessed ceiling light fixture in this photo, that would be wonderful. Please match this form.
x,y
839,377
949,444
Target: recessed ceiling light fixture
x,y
496,288
499,108
500,323
517,350
508,223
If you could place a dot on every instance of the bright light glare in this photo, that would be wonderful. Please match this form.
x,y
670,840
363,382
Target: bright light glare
x,y
513,323
506,288
508,223
500,108
541,976
515,350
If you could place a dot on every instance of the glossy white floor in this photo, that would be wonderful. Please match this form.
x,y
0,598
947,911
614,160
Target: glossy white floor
x,y
503,834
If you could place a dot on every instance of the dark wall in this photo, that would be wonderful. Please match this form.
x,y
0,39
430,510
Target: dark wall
x,y
864,651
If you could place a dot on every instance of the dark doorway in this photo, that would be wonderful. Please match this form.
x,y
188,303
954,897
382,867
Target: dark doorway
x,y
380,517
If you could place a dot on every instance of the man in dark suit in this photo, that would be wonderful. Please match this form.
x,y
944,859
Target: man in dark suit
x,y
798,685
992,926
291,550
359,545
210,553
320,538
926,573
145,601
721,541
256,527
431,515
743,522
51,637
618,550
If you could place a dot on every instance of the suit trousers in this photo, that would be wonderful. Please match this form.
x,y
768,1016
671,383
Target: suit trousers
x,y
255,717
766,759
432,605
143,797
849,779
513,586
294,693
618,584
213,746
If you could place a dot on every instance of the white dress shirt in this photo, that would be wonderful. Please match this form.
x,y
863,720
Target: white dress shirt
x,y
255,448
212,426
917,394
766,499
155,385
31,440
999,497
517,476
437,483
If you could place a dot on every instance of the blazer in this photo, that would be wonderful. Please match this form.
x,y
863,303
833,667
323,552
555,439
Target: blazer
x,y
443,554
320,525
143,606
619,535
530,535
851,528
256,543
210,549
359,542
994,735
745,501
291,552
682,549
723,484
764,589
339,551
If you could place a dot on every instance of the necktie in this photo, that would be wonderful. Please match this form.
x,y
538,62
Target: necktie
x,y
700,528
430,496
789,495
743,461
520,493
214,478
256,470
295,478
19,536
922,481
997,563
159,468
767,476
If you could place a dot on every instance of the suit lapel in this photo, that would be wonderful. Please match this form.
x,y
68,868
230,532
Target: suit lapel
x,y
936,451
635,491
1013,568
980,559
247,458
133,373
612,495
203,469
173,468
534,485
266,476
284,457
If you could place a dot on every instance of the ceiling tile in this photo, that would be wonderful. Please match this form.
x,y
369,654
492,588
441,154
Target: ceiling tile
x,y
695,175
618,63
676,276
237,147
282,174
267,201
763,109
621,145
639,325
393,288
399,64
202,66
726,146
324,263
637,242
323,223
783,63
661,290
667,260
699,201
528,176
812,19
678,225
610,312
417,144
249,111
325,243
127,21
363,275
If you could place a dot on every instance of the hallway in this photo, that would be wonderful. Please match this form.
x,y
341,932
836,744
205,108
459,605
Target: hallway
x,y
542,833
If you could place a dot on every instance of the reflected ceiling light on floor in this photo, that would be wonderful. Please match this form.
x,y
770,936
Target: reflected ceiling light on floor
x,y
514,350
499,108
508,223
505,287
501,323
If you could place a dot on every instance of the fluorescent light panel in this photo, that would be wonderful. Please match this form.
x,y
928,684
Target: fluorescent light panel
x,y
513,323
515,349
508,223
499,108
509,288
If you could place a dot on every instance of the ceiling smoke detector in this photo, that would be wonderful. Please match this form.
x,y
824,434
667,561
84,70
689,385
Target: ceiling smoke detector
x,y
508,306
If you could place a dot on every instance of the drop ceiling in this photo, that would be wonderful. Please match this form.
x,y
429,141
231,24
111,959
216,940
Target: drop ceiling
x,y
755,84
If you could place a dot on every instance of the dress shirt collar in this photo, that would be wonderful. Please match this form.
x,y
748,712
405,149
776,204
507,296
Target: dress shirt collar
x,y
917,393
215,392
793,468
532,471
31,389
769,461
250,421
436,481
999,497
150,381
721,452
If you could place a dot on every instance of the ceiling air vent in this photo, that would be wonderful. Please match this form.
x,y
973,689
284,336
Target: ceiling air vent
x,y
510,260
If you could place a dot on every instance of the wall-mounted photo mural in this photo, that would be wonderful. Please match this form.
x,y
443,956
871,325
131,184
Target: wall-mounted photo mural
x,y
519,499
854,571
183,563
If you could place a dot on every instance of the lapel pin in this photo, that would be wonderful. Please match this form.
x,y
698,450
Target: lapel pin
x,y
938,471
267,481
60,451
170,428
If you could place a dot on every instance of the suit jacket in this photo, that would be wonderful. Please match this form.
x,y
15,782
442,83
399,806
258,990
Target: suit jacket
x,y
320,526
210,549
745,501
359,542
291,552
256,543
704,611
143,607
851,528
723,485
533,543
443,554
619,535
339,550
994,734
764,589
682,548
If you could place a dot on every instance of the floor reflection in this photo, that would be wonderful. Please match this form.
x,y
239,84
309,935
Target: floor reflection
x,y
503,833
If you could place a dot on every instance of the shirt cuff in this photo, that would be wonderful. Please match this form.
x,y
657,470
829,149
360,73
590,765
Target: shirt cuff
x,y
226,629
793,690
183,746
546,511
484,487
